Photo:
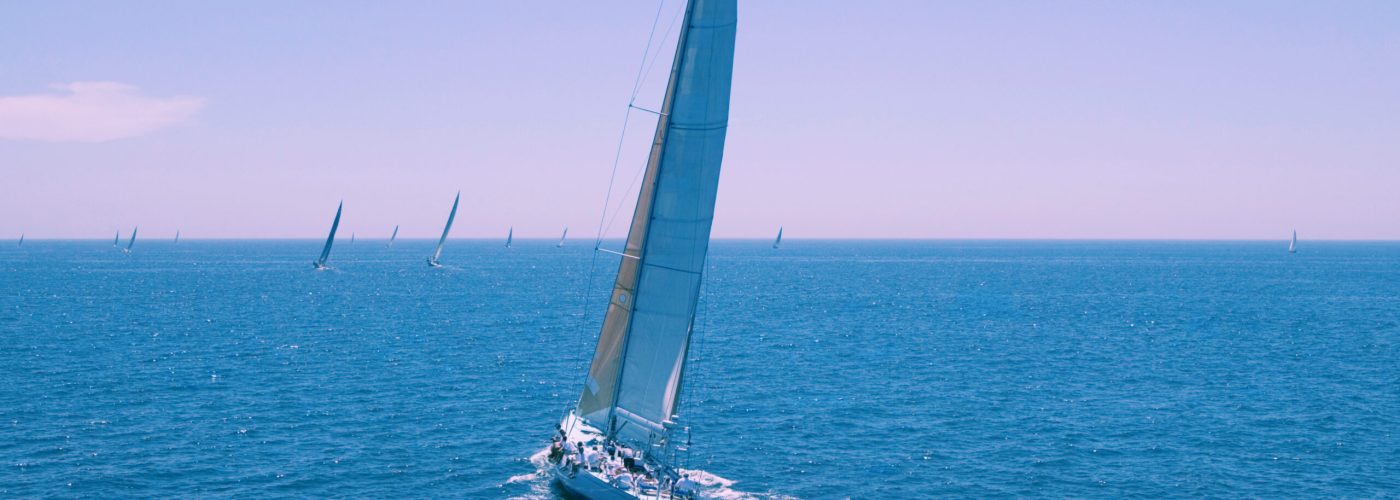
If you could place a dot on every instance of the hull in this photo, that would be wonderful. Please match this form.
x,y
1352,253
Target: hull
x,y
585,485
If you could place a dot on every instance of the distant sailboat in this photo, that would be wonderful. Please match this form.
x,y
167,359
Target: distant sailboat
x,y
392,236
21,239
778,242
433,261
510,236
320,263
1293,243
177,236
116,240
131,243
631,394
563,237
352,237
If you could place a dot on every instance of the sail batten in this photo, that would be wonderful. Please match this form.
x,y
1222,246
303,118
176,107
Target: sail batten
x,y
637,367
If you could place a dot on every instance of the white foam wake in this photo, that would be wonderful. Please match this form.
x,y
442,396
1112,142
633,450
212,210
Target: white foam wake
x,y
712,486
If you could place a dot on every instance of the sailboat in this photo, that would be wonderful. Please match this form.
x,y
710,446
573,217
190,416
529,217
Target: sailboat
x,y
177,236
320,264
352,238
116,239
631,395
392,236
510,236
129,244
21,239
778,242
563,237
433,261
1293,243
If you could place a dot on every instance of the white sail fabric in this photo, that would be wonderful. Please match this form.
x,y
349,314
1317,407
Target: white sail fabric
x,y
326,251
453,215
637,368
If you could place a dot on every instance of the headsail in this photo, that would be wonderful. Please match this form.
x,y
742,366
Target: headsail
x,y
563,237
778,242
453,215
326,251
635,378
392,236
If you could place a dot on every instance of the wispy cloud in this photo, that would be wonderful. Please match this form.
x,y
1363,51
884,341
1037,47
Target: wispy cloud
x,y
91,112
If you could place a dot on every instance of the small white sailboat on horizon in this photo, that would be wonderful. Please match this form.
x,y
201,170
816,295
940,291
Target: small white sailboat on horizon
x,y
131,243
779,241
21,239
116,240
433,261
320,264
563,237
392,237
177,237
510,236
1293,243
629,402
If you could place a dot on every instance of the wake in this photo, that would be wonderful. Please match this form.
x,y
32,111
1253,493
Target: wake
x,y
712,486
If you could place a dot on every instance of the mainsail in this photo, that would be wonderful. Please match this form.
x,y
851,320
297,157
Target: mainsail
x,y
453,215
778,242
634,380
326,252
392,236
1293,243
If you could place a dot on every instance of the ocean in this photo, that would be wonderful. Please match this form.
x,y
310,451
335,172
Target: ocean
x,y
825,369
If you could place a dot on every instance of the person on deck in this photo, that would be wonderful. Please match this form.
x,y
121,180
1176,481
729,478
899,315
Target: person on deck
x,y
685,487
590,458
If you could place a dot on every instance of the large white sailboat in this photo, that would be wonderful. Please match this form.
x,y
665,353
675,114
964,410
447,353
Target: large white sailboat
x,y
320,264
433,261
1293,243
628,411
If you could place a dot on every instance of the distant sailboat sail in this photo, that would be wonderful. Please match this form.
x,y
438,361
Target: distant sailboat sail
x,y
510,236
326,252
116,240
433,261
352,237
1293,243
177,236
563,237
778,242
131,243
393,236
633,386
21,239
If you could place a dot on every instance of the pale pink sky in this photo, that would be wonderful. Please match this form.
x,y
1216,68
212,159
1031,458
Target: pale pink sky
x,y
902,119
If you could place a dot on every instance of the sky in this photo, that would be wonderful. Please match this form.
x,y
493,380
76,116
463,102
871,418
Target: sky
x,y
880,119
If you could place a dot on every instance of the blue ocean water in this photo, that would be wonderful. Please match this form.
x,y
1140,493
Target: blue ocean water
x,y
824,369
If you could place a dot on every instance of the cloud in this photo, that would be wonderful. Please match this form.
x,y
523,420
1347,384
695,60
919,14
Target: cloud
x,y
91,112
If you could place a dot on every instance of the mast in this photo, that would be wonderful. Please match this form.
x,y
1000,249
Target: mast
x,y
396,235
326,251
445,229
634,381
